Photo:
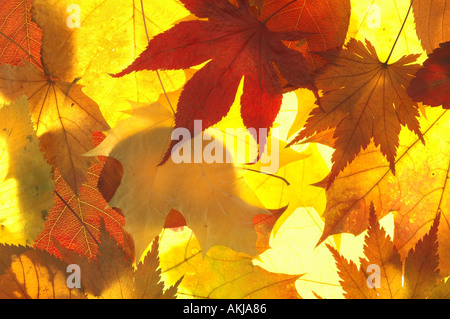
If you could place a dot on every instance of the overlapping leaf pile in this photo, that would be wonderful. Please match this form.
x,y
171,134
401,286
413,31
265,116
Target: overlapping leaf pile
x,y
87,176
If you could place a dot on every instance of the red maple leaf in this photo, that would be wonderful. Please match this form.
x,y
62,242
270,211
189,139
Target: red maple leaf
x,y
238,45
432,83
327,21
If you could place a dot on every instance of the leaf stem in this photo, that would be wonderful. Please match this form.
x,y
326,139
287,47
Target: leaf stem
x,y
398,35
268,174
157,72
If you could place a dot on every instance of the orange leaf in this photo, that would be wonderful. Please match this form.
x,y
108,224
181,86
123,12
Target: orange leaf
x,y
415,194
74,221
20,37
27,273
327,21
112,275
365,100
381,276
432,22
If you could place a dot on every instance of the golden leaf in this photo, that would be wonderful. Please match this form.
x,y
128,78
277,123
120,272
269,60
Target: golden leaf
x,y
26,185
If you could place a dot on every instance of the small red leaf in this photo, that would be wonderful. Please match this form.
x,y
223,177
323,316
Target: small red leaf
x,y
432,83
175,220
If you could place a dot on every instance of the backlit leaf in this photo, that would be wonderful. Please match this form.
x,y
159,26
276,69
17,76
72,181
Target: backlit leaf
x,y
64,118
26,186
27,273
20,37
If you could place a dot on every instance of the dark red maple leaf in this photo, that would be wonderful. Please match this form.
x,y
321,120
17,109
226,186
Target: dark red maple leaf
x,y
432,83
238,45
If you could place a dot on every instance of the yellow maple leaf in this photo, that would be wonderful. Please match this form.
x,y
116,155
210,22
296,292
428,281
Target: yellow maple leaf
x,y
228,274
214,198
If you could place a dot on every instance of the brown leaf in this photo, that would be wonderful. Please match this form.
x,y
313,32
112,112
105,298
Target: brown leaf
x,y
379,250
263,225
112,275
353,282
432,22
110,178
27,273
381,276
421,265
365,100
416,193
63,115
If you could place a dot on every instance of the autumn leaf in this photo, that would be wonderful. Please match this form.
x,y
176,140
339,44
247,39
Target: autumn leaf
x,y
242,149
26,186
226,274
238,45
365,100
148,277
110,178
327,22
214,198
306,102
222,273
432,22
175,220
293,251
432,82
179,253
382,262
90,52
380,22
416,193
74,221
112,275
263,225
64,118
224,224
20,37
299,191
276,154
27,273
